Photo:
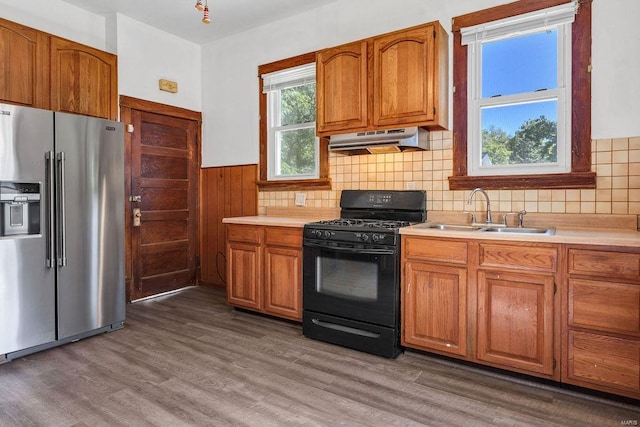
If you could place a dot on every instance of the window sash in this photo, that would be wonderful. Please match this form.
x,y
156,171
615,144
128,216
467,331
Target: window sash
x,y
273,142
561,94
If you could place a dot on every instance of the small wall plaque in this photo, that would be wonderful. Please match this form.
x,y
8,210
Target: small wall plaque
x,y
168,86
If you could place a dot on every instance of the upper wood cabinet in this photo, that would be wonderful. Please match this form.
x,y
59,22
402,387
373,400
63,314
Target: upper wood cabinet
x,y
395,79
84,80
341,75
24,70
43,71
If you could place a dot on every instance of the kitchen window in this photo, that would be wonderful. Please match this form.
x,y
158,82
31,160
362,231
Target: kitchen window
x,y
291,155
522,96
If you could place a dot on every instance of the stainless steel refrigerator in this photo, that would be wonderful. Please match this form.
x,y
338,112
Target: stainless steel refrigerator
x,y
61,229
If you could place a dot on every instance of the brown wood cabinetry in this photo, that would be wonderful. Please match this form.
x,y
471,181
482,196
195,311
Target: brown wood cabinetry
x,y
264,269
24,74
44,71
516,306
84,80
434,296
342,94
395,79
488,302
602,319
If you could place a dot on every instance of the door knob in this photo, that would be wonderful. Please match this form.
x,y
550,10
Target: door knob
x,y
137,217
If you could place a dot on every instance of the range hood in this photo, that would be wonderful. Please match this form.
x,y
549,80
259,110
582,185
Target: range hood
x,y
381,141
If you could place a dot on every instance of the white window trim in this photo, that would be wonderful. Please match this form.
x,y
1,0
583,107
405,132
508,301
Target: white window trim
x,y
560,18
273,84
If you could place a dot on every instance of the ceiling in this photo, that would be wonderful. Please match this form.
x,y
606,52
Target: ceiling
x,y
180,18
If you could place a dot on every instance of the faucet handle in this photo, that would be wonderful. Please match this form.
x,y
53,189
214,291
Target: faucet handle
x,y
473,216
521,215
504,218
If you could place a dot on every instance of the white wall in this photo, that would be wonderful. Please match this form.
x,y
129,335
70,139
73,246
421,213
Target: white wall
x,y
146,54
230,85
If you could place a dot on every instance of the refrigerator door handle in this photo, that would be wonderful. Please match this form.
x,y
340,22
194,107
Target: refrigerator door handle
x,y
62,254
49,156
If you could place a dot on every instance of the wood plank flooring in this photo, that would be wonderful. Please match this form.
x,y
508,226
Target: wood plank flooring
x,y
189,359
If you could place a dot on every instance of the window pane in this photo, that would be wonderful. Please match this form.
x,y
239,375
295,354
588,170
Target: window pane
x,y
298,105
520,64
297,151
520,134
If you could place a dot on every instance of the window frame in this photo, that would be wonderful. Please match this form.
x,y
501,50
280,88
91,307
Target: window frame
x,y
323,182
581,175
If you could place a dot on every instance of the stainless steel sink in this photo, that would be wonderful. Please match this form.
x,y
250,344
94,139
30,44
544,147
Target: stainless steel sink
x,y
520,230
489,228
450,227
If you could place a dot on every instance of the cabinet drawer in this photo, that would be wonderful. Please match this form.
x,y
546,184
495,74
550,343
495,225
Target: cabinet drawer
x,y
604,360
519,257
244,233
621,264
452,251
605,306
283,236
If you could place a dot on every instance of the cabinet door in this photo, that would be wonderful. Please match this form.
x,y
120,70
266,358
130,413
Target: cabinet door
x,y
83,80
515,320
404,77
24,70
341,76
283,282
244,275
434,308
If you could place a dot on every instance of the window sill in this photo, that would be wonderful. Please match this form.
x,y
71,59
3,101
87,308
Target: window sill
x,y
302,184
573,180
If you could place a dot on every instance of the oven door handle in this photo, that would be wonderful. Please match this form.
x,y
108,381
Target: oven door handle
x,y
359,251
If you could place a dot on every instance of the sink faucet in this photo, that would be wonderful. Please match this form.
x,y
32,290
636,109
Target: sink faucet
x,y
486,196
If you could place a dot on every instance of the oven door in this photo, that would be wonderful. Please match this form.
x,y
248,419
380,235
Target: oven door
x,y
352,281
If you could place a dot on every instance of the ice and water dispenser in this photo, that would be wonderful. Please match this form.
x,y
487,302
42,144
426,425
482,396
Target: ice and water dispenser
x,y
19,208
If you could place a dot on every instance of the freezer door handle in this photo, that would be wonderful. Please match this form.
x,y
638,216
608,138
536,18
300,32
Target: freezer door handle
x,y
62,253
49,156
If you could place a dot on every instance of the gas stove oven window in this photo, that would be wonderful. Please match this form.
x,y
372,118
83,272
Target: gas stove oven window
x,y
351,271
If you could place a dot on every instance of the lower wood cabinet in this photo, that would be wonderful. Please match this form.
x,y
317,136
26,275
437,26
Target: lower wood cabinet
x,y
602,319
488,302
264,269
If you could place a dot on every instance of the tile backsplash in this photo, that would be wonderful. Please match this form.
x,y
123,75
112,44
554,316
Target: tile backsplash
x,y
616,162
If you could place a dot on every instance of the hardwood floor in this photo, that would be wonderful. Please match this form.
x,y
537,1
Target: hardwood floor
x,y
190,359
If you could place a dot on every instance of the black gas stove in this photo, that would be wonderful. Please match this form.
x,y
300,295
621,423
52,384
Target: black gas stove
x,y
351,270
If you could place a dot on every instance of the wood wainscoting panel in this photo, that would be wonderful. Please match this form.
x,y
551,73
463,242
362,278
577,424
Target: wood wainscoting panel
x,y
227,191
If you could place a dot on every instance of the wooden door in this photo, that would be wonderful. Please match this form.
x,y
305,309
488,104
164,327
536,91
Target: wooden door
x,y
434,315
404,78
24,73
84,80
342,101
515,320
162,165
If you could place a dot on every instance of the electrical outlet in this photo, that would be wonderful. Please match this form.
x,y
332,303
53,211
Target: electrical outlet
x,y
301,199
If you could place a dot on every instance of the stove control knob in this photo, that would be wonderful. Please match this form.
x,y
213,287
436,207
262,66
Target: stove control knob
x,y
377,237
364,237
327,234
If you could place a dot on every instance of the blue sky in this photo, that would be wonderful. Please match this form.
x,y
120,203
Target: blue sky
x,y
521,64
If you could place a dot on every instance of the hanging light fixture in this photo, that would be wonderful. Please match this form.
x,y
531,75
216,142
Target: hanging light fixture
x,y
199,6
205,18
